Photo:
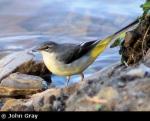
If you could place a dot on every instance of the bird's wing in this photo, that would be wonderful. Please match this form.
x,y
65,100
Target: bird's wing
x,y
72,52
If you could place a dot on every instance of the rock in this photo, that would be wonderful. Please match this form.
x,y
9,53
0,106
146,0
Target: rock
x,y
3,100
82,104
138,72
23,62
17,105
108,93
21,85
105,97
43,101
9,63
108,96
103,92
52,100
59,103
33,67
13,92
71,89
23,81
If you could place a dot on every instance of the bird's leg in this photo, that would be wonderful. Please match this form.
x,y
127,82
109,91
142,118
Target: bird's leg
x,y
68,79
82,76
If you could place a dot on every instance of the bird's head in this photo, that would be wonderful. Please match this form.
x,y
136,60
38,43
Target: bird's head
x,y
47,47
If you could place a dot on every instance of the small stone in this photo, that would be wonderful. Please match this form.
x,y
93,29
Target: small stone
x,y
58,106
139,72
121,84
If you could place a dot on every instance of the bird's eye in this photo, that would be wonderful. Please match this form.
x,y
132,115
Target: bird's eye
x,y
47,48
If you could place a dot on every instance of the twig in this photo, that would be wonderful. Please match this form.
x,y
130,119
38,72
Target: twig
x,y
126,64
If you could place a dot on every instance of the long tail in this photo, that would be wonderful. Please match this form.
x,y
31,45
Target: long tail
x,y
102,44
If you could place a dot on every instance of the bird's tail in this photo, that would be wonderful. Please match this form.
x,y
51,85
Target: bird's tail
x,y
102,44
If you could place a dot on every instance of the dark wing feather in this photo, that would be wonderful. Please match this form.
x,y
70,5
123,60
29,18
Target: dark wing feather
x,y
73,52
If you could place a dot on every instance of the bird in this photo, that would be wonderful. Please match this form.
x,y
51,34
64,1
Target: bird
x,y
66,59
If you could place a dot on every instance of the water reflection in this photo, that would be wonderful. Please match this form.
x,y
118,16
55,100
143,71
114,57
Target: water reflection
x,y
24,24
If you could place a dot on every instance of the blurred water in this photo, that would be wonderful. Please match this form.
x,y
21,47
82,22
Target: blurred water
x,y
23,24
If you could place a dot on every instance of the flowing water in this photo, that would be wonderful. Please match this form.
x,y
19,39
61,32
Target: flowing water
x,y
26,23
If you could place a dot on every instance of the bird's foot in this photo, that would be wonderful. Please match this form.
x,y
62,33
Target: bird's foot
x,y
68,79
82,76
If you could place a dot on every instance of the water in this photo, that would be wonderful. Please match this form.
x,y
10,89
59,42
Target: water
x,y
23,24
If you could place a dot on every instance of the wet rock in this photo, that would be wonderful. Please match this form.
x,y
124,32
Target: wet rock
x,y
23,62
9,63
23,81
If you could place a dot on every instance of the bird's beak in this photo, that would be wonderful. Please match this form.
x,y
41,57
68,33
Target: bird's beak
x,y
37,49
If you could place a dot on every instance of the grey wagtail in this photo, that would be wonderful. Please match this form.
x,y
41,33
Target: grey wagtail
x,y
73,59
